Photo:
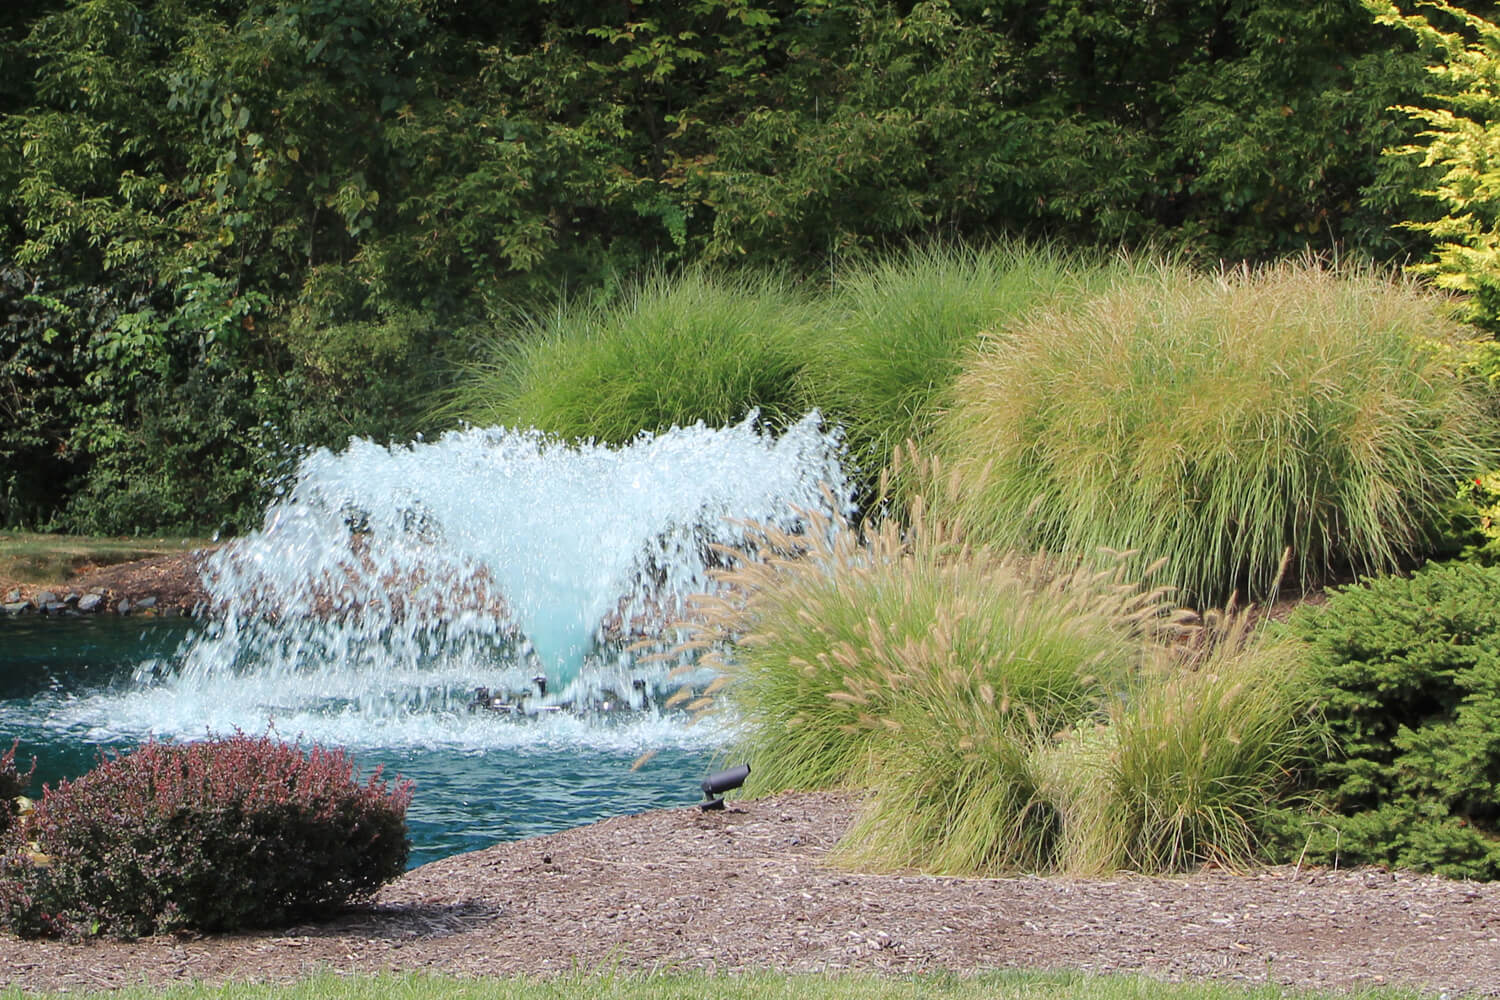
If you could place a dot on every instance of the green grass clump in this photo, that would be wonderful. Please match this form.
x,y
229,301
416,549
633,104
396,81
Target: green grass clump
x,y
834,632
1218,421
671,352
1173,766
900,328
1007,713
1194,757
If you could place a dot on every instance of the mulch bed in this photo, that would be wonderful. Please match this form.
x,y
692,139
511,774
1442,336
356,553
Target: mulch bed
x,y
749,889
172,579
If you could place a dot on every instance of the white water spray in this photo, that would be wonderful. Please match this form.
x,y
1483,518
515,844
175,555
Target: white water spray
x,y
390,582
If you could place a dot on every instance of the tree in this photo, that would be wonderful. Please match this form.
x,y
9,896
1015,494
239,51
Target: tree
x,y
1461,140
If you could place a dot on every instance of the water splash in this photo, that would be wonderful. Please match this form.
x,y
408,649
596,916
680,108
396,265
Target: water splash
x,y
390,582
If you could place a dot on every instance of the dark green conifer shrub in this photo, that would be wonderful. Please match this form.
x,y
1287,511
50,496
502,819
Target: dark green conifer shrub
x,y
211,836
1410,669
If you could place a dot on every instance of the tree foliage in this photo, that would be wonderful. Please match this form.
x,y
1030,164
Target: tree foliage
x,y
1460,140
294,211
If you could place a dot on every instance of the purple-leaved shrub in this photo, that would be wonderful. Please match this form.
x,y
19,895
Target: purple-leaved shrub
x,y
12,785
216,835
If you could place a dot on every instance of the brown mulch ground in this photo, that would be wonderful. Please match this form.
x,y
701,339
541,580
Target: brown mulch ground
x,y
748,888
172,579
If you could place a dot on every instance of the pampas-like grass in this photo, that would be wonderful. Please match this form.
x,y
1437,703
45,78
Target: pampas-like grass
x,y
673,351
1005,712
1216,421
898,329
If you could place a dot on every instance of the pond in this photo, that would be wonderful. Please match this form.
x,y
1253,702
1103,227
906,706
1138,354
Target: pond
x,y
68,692
390,583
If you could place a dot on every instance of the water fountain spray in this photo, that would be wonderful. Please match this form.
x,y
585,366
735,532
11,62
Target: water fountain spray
x,y
395,579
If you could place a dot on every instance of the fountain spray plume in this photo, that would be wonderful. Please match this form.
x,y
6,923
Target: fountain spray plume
x,y
389,578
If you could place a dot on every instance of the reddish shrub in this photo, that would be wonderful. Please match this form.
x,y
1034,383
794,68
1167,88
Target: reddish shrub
x,y
212,836
12,784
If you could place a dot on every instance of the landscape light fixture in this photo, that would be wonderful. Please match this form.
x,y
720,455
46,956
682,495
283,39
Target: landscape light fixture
x,y
716,784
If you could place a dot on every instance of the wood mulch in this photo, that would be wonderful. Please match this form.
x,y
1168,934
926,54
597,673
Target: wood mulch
x,y
749,889
172,579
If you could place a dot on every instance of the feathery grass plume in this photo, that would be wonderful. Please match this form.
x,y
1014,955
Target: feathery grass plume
x,y
1007,712
901,326
965,774
1218,420
1194,756
673,351
836,634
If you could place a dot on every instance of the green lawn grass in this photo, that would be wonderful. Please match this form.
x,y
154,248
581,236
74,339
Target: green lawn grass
x,y
28,557
760,986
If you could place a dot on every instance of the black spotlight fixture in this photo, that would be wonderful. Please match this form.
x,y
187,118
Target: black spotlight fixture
x,y
716,784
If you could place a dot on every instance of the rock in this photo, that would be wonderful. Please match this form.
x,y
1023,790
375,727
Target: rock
x,y
145,604
54,608
123,607
13,597
89,603
16,607
43,599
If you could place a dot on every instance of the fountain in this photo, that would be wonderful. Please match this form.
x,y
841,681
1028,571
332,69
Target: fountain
x,y
387,583
396,579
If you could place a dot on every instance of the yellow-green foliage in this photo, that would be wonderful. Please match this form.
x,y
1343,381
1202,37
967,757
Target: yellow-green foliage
x,y
835,630
1218,421
1195,754
1462,141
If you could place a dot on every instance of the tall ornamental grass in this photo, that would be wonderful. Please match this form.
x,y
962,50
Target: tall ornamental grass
x,y
1217,421
1176,765
900,327
1192,760
835,631
1004,712
673,351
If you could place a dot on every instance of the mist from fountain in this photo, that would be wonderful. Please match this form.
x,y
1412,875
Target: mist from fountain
x,y
389,582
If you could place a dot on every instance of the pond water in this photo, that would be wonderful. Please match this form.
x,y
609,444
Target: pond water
x,y
69,692
389,582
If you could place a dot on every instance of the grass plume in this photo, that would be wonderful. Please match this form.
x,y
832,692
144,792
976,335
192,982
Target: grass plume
x,y
672,351
1218,420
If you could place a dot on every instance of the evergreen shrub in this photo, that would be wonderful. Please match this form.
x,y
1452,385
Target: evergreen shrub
x,y
217,835
1409,673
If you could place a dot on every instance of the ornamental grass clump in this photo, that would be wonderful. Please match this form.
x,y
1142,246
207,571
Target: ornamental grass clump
x,y
1004,712
1216,421
672,351
1194,757
1169,764
899,329
215,835
834,630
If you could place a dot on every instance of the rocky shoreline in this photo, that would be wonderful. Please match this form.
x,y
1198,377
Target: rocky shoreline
x,y
160,586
